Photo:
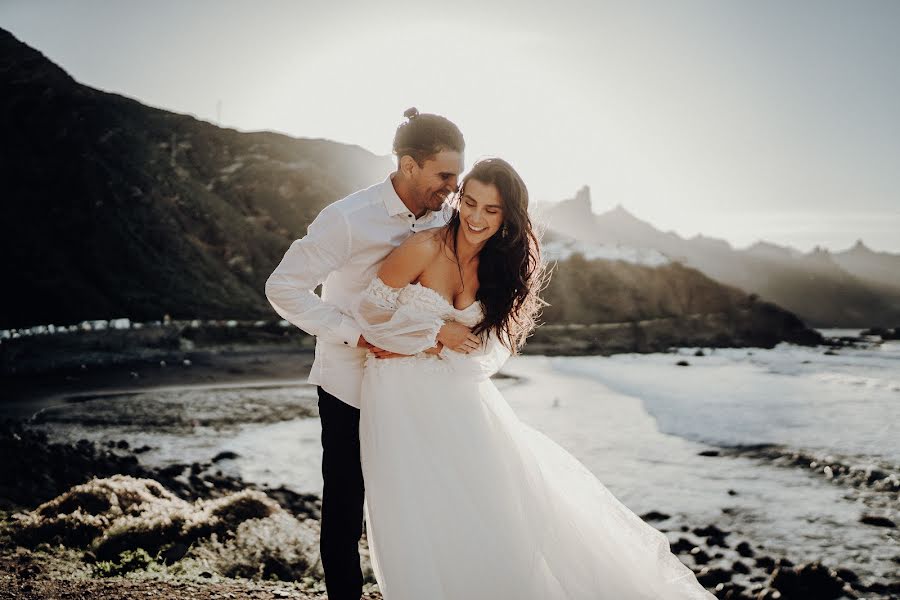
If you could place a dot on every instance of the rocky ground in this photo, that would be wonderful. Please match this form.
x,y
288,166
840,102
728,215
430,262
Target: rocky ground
x,y
47,550
60,538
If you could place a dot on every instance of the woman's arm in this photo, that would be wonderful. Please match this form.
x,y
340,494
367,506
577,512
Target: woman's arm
x,y
405,329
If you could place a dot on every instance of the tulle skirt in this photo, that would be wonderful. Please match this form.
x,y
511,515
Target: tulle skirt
x,y
466,502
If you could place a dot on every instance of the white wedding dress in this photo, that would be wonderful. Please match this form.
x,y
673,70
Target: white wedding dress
x,y
464,501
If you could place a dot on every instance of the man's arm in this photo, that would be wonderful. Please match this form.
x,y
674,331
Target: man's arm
x,y
325,248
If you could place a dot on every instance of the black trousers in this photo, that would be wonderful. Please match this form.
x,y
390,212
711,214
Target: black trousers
x,y
342,498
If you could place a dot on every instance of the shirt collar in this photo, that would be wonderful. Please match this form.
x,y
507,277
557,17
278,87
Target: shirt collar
x,y
394,205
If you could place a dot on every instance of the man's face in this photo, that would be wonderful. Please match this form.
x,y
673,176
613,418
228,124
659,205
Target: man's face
x,y
436,179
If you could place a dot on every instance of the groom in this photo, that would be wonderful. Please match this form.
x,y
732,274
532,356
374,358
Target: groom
x,y
342,250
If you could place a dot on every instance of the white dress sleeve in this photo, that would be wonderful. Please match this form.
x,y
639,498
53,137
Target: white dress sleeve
x,y
480,364
404,329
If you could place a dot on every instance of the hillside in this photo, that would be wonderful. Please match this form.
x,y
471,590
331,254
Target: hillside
x,y
124,210
114,208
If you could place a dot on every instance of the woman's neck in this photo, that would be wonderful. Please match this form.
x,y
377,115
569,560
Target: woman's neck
x,y
465,250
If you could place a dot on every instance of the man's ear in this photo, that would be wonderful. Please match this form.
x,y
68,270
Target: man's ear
x,y
408,165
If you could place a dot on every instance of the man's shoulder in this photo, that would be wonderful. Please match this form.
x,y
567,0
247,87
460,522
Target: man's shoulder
x,y
359,200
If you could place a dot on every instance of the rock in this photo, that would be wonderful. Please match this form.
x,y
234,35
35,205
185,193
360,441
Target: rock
x,y
892,590
682,546
172,470
877,521
710,576
765,562
709,531
700,556
708,453
683,363
174,552
731,591
739,567
784,562
812,580
846,575
744,549
655,516
225,455
873,474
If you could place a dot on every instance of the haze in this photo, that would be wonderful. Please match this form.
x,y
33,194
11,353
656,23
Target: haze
x,y
745,121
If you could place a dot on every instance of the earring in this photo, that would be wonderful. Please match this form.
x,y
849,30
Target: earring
x,y
503,231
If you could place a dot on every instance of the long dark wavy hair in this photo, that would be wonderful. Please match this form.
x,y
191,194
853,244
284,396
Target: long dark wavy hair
x,y
511,273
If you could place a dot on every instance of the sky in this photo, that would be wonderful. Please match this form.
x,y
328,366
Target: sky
x,y
738,120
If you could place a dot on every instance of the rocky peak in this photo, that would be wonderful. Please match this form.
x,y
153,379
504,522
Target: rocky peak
x,y
580,205
21,64
770,250
860,248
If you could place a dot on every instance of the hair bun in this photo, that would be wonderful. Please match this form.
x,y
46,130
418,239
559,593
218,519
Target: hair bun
x,y
411,112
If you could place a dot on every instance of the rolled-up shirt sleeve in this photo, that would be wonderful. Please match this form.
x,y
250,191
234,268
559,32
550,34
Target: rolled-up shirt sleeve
x,y
307,263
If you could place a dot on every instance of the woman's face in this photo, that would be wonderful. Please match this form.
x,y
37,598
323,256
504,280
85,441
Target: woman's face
x,y
480,211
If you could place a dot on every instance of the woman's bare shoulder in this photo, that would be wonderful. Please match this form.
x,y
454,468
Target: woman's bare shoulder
x,y
407,261
425,243
430,237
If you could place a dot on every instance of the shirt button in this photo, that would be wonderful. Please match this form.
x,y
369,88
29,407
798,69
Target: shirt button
x,y
410,216
346,343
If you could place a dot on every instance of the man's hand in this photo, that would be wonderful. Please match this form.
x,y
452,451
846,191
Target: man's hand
x,y
436,349
378,352
458,337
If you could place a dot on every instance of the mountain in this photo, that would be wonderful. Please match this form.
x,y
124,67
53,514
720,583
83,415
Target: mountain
x,y
629,304
113,208
855,288
880,268
117,209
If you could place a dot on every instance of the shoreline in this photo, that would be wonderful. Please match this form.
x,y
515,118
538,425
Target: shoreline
x,y
743,568
102,364
48,571
221,367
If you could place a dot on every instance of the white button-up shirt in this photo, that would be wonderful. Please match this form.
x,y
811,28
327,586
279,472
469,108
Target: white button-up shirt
x,y
341,250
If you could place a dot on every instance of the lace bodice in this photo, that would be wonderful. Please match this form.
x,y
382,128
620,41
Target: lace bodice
x,y
429,300
407,321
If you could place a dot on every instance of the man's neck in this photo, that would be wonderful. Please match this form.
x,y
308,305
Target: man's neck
x,y
404,195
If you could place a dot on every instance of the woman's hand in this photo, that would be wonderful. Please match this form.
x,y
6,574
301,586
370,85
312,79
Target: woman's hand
x,y
458,337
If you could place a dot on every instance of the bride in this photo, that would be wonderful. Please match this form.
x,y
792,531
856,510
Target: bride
x,y
463,500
